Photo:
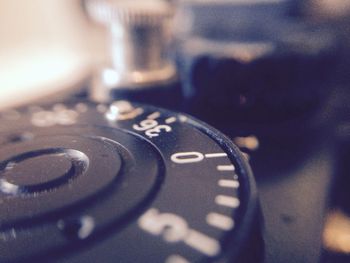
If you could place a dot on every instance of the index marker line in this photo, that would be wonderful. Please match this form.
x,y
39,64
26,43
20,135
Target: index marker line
x,y
154,115
225,167
170,120
220,221
215,155
228,201
202,243
228,183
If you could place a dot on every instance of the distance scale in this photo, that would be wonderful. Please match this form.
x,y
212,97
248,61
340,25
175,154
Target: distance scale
x,y
86,182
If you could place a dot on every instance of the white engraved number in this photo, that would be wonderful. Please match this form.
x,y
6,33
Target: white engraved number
x,y
171,227
187,157
145,125
151,128
155,131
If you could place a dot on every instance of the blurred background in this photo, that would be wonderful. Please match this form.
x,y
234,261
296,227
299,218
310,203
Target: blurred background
x,y
46,46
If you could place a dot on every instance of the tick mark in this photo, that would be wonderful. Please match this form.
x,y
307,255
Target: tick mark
x,y
170,120
154,115
228,201
220,221
215,155
228,183
225,168
202,243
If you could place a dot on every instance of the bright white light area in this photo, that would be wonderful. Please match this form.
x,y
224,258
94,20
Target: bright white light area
x,y
46,47
36,73
110,77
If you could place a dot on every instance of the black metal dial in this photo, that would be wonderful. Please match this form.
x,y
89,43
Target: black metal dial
x,y
84,182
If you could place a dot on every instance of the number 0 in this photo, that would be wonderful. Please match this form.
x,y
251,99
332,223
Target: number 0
x,y
187,157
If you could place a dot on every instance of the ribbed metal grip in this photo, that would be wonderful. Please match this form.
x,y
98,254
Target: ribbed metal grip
x,y
139,38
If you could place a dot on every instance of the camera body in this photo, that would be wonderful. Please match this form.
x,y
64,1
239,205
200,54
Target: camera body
x,y
275,85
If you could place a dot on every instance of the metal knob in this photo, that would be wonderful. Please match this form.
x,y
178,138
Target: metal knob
x,y
139,38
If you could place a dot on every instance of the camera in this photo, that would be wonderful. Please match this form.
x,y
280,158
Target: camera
x,y
207,131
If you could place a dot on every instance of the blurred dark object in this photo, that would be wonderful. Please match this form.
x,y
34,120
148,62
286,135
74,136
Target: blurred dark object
x,y
259,65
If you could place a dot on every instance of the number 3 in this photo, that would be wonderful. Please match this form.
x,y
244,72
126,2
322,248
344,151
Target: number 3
x,y
155,131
